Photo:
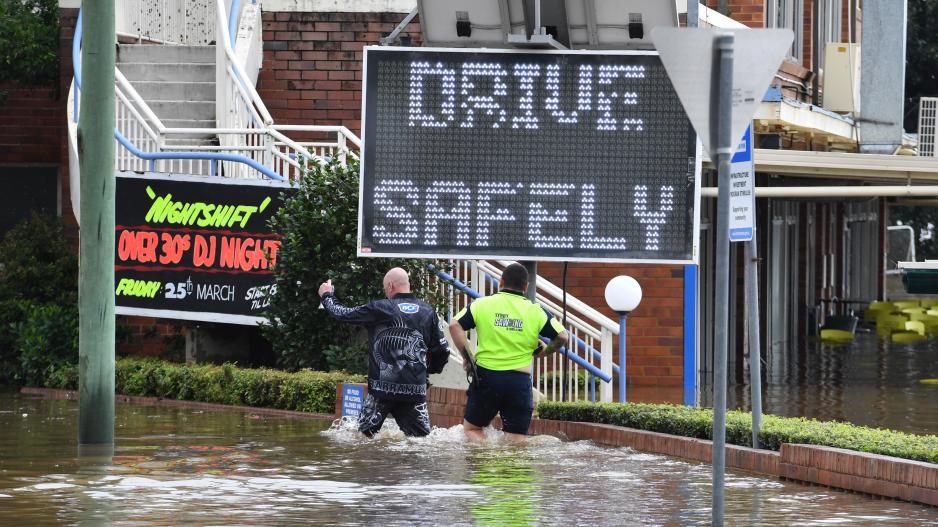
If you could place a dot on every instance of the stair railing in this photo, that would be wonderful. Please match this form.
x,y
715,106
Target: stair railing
x,y
588,354
257,151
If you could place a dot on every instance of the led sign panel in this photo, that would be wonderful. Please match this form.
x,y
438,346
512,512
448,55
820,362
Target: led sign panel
x,y
534,155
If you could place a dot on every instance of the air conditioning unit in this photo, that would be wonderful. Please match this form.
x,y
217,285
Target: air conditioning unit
x,y
927,122
842,77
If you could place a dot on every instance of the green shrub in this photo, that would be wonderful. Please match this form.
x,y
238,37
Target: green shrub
x,y
352,358
698,423
306,390
318,226
46,339
29,42
37,268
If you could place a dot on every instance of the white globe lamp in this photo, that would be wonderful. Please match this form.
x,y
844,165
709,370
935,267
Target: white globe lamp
x,y
623,294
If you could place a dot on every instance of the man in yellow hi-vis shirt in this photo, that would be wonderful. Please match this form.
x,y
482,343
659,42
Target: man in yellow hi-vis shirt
x,y
509,328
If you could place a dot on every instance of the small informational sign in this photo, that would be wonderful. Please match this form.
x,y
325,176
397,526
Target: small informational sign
x,y
522,154
195,247
353,398
742,193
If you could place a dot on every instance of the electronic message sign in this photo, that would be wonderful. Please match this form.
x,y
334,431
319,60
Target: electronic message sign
x,y
194,247
532,155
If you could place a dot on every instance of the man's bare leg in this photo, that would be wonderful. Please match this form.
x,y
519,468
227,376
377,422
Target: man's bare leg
x,y
473,433
515,438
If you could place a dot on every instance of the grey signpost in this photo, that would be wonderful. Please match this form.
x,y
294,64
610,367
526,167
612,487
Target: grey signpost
x,y
720,103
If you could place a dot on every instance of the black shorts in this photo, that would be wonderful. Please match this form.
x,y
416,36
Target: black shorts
x,y
501,392
411,416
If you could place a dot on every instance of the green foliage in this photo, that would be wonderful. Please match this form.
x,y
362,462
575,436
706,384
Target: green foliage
x,y
318,226
305,391
37,268
29,42
351,358
921,71
46,339
698,423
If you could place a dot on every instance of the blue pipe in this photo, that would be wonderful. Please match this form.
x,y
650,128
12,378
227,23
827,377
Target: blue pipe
x,y
690,335
233,20
622,317
235,158
468,291
196,155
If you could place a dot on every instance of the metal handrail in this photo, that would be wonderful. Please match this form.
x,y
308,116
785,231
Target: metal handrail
x,y
225,42
76,61
577,304
490,274
471,293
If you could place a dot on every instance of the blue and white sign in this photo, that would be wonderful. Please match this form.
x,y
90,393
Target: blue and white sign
x,y
742,194
353,398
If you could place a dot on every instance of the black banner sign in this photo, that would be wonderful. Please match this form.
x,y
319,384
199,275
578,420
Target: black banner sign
x,y
195,248
526,155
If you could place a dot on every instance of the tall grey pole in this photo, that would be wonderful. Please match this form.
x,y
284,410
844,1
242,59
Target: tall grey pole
x,y
721,123
755,343
96,246
693,13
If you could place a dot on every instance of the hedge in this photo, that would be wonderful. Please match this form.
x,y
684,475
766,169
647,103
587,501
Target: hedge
x,y
698,423
305,390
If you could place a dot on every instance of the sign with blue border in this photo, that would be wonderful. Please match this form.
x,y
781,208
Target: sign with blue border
x,y
353,398
742,193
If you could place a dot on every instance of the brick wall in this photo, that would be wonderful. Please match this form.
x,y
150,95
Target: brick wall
x,y
749,12
34,120
312,67
655,330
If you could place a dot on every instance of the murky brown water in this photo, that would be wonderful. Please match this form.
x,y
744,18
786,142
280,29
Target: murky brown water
x,y
870,381
174,467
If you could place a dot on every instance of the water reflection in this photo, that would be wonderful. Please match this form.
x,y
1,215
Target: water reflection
x,y
870,381
174,466
509,492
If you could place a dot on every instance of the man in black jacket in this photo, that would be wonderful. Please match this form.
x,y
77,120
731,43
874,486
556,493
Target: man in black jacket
x,y
405,343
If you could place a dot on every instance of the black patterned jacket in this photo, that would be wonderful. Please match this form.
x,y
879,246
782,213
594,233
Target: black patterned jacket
x,y
402,331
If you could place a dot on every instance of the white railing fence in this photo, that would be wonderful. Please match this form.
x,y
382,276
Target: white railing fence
x,y
555,377
244,126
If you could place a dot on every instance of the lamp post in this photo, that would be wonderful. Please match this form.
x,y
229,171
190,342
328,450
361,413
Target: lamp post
x,y
623,294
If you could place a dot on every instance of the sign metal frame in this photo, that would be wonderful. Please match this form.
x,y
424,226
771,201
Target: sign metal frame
x,y
695,237
196,316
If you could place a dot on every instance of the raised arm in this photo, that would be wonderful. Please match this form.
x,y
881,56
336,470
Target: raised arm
x,y
360,315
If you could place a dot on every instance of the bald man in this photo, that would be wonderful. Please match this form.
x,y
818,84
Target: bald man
x,y
405,343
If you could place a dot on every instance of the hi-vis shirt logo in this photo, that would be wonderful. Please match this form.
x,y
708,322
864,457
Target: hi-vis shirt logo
x,y
409,309
511,324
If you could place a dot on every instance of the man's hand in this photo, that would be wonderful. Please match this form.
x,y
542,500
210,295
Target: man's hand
x,y
326,287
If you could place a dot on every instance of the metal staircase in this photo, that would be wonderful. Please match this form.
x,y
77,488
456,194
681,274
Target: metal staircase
x,y
177,83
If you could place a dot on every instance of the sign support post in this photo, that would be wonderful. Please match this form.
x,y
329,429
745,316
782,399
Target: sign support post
x,y
755,355
96,260
531,267
720,126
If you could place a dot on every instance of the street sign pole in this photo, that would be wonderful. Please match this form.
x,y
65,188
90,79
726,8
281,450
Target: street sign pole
x,y
752,305
721,123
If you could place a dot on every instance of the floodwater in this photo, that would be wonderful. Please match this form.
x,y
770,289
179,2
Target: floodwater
x,y
871,381
177,466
